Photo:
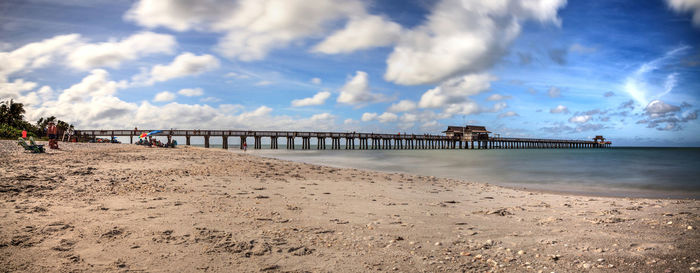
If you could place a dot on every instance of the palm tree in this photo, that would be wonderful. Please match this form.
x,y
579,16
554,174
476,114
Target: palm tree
x,y
11,112
42,122
62,125
3,113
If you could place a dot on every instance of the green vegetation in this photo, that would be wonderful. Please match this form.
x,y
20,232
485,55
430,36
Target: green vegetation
x,y
12,122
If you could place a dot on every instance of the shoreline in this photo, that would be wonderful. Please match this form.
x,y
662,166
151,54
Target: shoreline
x,y
562,189
102,207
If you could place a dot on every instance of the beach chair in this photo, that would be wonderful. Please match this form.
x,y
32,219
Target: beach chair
x,y
34,148
31,142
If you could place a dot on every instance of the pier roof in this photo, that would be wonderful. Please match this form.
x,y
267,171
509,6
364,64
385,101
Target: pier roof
x,y
468,128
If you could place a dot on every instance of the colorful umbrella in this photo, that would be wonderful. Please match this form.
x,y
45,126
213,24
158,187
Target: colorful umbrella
x,y
153,132
143,135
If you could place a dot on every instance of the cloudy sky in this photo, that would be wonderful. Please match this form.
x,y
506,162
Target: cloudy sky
x,y
629,70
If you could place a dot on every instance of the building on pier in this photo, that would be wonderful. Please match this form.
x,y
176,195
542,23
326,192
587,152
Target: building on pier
x,y
600,140
467,133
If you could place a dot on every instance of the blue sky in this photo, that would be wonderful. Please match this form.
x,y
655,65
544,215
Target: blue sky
x,y
624,69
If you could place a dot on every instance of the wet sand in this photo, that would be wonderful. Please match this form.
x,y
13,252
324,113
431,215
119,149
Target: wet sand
x,y
109,207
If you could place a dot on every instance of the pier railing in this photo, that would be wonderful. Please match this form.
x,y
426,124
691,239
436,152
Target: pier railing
x,y
364,141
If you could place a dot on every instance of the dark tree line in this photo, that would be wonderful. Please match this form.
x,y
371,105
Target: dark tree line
x,y
12,121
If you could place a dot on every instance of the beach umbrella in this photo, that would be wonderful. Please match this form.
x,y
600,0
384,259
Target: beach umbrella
x,y
153,132
143,135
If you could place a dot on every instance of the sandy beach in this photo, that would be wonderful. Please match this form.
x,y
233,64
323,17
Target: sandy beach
x,y
110,207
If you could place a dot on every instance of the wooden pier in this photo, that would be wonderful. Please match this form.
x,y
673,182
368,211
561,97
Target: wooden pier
x,y
360,141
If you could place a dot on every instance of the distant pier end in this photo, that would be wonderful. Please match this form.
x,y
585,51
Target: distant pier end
x,y
479,136
455,137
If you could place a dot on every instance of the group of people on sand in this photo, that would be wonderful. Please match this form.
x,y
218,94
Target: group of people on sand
x,y
152,142
51,132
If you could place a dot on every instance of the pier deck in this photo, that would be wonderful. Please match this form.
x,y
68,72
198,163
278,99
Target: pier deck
x,y
352,140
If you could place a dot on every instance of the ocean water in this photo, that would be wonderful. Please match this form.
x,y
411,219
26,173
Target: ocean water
x,y
621,171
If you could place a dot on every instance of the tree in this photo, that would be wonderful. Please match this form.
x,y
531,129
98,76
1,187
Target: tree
x,y
62,125
42,123
12,121
3,113
11,112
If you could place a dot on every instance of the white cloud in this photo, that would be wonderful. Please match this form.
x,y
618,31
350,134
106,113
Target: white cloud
x,y
402,106
186,64
71,50
164,96
383,118
95,85
637,86
433,98
113,53
368,117
469,107
318,99
46,91
263,83
356,91
658,108
316,80
455,91
687,5
582,49
92,104
669,84
554,92
387,117
236,75
560,109
210,99
666,117
498,106
431,125
36,55
231,108
15,89
580,119
260,111
508,114
463,37
497,97
422,117
350,121
322,116
191,92
251,28
177,15
361,33
30,99
409,117
251,32
5,46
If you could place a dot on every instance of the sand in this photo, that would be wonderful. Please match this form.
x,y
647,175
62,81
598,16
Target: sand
x,y
112,207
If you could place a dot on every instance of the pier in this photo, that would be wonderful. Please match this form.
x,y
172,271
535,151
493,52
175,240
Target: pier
x,y
467,137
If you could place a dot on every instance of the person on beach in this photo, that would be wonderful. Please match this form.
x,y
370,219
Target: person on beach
x,y
245,146
24,133
52,132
